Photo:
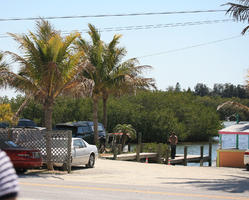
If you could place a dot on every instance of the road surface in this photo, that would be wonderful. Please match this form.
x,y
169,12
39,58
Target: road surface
x,y
121,180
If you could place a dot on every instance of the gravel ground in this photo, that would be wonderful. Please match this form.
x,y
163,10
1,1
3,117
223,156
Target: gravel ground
x,y
125,172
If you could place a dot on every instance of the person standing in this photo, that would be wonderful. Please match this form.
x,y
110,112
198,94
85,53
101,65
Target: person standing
x,y
173,140
8,178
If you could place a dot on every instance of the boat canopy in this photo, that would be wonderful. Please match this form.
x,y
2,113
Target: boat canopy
x,y
236,129
240,129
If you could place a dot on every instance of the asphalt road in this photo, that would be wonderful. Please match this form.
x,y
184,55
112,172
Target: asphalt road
x,y
120,180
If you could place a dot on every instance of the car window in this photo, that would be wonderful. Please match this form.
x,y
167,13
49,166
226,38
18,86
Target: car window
x,y
83,143
82,129
79,143
100,128
11,144
26,124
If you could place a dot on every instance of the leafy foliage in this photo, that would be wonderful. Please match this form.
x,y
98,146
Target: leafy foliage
x,y
126,129
49,67
240,12
6,114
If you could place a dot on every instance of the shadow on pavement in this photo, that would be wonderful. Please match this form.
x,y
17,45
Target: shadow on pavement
x,y
43,172
235,184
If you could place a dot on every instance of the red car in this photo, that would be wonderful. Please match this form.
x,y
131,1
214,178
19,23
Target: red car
x,y
22,158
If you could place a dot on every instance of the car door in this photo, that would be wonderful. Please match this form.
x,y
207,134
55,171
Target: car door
x,y
79,152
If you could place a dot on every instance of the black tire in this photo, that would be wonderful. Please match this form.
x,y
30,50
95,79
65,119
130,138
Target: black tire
x,y
247,167
91,161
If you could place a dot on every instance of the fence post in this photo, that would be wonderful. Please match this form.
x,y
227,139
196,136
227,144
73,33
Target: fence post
x,y
159,155
167,155
185,155
139,141
115,151
129,147
69,149
106,140
10,134
141,147
201,152
48,149
210,153
120,150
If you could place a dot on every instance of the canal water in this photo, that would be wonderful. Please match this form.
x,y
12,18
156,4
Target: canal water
x,y
228,141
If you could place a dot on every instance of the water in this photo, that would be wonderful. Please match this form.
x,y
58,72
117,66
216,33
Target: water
x,y
228,141
194,149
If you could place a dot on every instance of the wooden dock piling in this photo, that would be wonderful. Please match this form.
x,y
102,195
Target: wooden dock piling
x,y
210,153
139,141
167,156
185,155
201,152
159,154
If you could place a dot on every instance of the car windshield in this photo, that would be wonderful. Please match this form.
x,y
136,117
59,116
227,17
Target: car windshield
x,y
70,128
26,124
4,125
100,128
83,129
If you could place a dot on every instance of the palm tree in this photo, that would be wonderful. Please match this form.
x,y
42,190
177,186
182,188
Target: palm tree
x,y
49,66
110,75
93,51
240,12
6,75
125,78
121,77
127,130
3,67
112,57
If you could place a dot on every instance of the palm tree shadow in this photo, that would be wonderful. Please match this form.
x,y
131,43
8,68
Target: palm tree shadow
x,y
235,184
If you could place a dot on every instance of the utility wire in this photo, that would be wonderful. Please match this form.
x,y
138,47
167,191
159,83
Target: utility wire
x,y
113,15
149,26
190,47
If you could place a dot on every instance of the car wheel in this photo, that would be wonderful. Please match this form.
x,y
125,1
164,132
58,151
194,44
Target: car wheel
x,y
91,161
247,167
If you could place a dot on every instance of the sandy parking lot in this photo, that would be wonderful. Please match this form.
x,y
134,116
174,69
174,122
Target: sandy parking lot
x,y
124,172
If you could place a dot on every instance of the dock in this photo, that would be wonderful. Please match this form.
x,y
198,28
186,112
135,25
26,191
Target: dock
x,y
179,159
131,156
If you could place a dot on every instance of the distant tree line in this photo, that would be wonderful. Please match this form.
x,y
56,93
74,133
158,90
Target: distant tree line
x,y
223,90
153,113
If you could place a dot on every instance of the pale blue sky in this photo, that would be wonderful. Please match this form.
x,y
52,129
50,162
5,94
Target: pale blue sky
x,y
223,62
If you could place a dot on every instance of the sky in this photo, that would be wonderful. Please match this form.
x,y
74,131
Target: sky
x,y
191,54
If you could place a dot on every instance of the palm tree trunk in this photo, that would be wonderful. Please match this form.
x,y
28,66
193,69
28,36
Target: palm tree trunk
x,y
105,97
25,102
48,111
95,119
123,141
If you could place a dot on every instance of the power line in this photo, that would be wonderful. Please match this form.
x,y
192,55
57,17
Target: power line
x,y
190,47
113,15
148,26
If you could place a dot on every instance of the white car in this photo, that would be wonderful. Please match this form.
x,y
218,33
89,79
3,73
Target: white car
x,y
83,153
246,159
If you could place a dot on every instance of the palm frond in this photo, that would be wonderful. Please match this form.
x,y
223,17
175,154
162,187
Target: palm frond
x,y
240,12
